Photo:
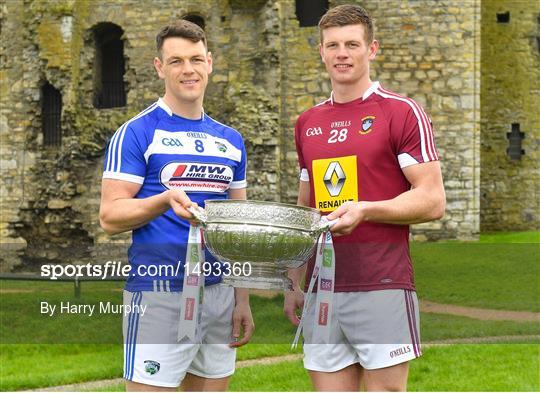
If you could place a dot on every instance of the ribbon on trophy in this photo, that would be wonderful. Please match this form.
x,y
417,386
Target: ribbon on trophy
x,y
323,274
193,288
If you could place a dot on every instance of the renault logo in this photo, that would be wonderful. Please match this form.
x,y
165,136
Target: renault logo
x,y
334,178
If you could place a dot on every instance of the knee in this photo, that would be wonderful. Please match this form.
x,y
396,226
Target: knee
x,y
386,386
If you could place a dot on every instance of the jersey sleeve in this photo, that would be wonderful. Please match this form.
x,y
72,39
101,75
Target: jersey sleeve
x,y
304,175
415,142
239,178
124,157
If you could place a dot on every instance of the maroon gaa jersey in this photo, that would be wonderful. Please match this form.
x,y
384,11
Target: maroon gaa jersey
x,y
355,152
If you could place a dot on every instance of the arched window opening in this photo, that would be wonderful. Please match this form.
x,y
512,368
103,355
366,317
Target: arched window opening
x,y
109,67
309,12
515,138
197,19
51,113
503,17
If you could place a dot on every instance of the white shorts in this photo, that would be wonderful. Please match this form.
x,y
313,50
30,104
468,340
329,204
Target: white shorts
x,y
152,354
376,329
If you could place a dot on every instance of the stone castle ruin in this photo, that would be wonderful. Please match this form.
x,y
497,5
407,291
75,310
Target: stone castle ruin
x,y
72,71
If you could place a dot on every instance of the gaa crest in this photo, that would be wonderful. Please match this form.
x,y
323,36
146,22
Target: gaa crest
x,y
221,147
367,123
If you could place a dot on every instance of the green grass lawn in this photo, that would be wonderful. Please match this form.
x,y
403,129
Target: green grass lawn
x,y
439,327
511,237
487,275
487,367
20,313
455,368
500,271
28,366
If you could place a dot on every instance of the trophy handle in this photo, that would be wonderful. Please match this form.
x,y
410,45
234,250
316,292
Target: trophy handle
x,y
199,213
325,224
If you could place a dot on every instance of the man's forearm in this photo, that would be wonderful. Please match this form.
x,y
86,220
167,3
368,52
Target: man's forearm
x,y
296,275
126,214
241,295
412,207
425,201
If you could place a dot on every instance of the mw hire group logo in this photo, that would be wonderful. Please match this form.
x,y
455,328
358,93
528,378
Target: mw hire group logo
x,y
196,176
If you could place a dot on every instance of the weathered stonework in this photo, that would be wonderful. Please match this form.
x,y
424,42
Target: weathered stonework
x,y
510,93
267,70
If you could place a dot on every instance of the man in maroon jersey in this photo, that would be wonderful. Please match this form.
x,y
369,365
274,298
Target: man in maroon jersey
x,y
367,157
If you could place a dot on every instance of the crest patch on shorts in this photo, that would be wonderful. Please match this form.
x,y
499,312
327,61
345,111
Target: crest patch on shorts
x,y
151,367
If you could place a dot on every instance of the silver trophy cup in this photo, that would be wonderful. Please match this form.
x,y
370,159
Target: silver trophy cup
x,y
261,240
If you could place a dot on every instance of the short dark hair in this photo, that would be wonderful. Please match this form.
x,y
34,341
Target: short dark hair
x,y
183,29
344,15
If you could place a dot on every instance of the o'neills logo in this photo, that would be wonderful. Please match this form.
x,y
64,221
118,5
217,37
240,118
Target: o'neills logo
x,y
323,314
190,306
192,280
400,351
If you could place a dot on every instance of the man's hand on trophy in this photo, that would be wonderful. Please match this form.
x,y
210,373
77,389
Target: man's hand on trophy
x,y
179,202
350,214
293,305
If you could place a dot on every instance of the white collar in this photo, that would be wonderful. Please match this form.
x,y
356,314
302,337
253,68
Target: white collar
x,y
161,103
374,86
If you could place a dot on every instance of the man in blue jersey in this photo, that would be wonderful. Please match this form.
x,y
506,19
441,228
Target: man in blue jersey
x,y
159,163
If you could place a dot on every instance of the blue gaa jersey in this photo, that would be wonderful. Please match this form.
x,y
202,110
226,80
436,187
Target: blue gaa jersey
x,y
160,150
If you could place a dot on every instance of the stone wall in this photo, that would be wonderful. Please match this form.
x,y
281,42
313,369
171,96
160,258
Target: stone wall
x,y
248,68
50,195
267,71
510,94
